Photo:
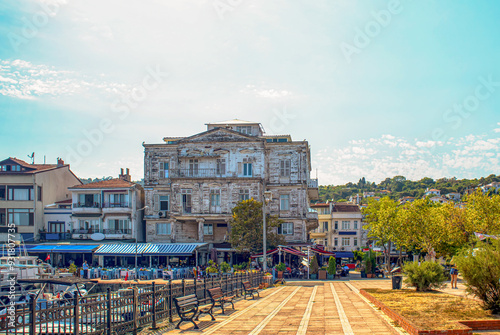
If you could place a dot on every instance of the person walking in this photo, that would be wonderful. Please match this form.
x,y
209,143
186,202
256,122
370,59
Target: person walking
x,y
454,276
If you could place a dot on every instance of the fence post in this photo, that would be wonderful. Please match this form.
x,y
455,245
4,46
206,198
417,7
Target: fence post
x,y
108,310
135,302
76,320
33,317
195,291
170,301
205,289
183,287
153,304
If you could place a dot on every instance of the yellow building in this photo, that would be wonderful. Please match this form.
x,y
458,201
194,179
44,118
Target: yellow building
x,y
25,190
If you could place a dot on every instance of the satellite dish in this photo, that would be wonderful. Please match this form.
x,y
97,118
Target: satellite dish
x,y
97,236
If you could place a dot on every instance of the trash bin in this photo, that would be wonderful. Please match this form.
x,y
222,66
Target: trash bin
x,y
396,282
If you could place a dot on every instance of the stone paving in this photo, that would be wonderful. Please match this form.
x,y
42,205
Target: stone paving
x,y
331,307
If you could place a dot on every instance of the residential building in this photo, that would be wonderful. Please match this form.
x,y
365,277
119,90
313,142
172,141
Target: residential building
x,y
319,235
493,186
404,200
25,190
192,183
368,194
111,207
344,232
438,199
57,218
454,196
432,192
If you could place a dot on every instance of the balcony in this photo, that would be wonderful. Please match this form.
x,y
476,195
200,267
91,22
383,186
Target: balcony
x,y
312,189
317,235
86,205
84,234
196,173
116,205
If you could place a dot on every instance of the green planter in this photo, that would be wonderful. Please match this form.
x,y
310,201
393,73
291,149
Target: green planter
x,y
331,277
313,276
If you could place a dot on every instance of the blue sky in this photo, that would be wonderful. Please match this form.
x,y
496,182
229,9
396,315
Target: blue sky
x,y
378,88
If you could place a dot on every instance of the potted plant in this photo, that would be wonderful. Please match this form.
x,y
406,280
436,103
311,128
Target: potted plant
x,y
280,268
212,268
225,268
314,268
332,267
370,263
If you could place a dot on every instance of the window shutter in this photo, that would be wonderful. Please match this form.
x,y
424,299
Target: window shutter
x,y
240,168
156,202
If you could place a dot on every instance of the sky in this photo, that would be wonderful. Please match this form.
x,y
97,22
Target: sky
x,y
378,88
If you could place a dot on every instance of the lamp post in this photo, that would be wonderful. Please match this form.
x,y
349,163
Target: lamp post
x,y
267,197
135,268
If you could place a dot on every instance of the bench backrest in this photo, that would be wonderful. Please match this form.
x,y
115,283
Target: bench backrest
x,y
186,301
247,285
215,293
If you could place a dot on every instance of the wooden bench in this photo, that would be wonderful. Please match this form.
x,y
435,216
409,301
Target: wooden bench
x,y
219,299
188,309
249,290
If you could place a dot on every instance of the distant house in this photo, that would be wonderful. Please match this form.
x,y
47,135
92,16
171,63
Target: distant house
x,y
493,186
385,192
432,192
368,194
453,196
404,200
441,200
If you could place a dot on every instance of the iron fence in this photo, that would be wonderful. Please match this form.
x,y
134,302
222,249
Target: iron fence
x,y
120,312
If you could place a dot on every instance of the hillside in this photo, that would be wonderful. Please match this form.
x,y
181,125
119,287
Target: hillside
x,y
399,187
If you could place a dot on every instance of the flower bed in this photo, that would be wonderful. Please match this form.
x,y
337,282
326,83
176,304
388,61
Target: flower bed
x,y
432,312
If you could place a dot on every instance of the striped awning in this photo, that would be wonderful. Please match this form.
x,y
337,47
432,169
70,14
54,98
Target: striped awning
x,y
171,249
128,249
43,248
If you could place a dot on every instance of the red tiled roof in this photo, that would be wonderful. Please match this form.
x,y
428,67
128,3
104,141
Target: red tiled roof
x,y
32,167
339,207
320,205
433,190
111,183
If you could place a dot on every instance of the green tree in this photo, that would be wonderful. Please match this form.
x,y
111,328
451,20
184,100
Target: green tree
x,y
247,228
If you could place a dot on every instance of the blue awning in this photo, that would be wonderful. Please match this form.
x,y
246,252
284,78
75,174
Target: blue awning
x,y
344,254
64,248
171,249
128,249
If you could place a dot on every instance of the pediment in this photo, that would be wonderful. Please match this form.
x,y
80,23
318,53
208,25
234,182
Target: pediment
x,y
220,135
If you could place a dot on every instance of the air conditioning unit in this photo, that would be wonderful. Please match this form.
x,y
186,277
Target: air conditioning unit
x,y
162,214
334,231
334,248
342,248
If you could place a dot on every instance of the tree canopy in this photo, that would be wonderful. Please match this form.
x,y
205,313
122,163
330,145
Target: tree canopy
x,y
247,228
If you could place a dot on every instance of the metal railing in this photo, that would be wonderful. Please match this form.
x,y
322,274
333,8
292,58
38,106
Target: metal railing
x,y
312,183
116,204
196,173
102,231
120,312
86,205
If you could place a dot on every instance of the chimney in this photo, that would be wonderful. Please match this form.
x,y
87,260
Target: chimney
x,y
126,176
60,162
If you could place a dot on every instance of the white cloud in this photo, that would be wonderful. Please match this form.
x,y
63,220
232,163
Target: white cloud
x,y
497,130
24,80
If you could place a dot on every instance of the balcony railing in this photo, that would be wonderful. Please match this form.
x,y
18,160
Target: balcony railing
x,y
196,173
103,231
312,183
116,205
86,205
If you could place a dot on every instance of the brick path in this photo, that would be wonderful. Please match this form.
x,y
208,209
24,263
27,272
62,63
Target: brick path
x,y
327,308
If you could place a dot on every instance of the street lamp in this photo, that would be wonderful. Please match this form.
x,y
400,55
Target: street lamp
x,y
268,196
136,274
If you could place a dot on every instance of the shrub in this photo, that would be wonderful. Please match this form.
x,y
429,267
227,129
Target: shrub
x,y
281,267
212,268
424,277
72,268
481,270
370,262
314,266
225,268
332,265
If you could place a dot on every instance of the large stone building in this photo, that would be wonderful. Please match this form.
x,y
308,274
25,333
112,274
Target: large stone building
x,y
192,183
25,190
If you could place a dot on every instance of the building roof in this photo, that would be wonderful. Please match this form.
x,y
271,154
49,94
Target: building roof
x,y
433,190
234,121
111,183
31,168
67,201
345,208
320,205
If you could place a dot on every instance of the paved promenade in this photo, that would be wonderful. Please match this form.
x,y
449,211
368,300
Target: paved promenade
x,y
333,307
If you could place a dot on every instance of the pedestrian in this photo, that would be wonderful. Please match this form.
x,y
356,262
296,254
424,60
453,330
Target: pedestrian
x,y
454,276
85,268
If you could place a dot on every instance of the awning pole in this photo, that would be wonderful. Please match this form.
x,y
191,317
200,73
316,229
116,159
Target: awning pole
x,y
196,255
